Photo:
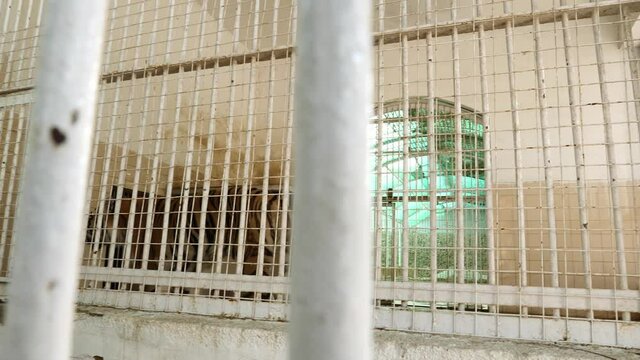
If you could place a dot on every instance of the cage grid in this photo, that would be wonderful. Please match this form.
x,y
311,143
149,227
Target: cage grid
x,y
503,157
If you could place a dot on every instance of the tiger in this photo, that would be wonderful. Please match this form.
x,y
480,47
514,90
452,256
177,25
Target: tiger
x,y
175,210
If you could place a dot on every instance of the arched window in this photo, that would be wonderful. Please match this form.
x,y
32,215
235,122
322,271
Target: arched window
x,y
418,185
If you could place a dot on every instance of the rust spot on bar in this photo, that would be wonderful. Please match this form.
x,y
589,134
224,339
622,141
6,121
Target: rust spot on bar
x,y
57,136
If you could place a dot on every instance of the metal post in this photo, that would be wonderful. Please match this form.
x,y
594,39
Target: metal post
x,y
49,223
332,287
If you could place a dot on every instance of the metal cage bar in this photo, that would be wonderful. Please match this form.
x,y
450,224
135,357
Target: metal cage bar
x,y
546,144
332,212
40,315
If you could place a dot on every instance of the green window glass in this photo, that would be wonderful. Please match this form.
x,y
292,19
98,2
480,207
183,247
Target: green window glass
x,y
419,205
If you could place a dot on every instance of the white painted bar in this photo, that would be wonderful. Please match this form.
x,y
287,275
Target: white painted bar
x,y
632,56
286,190
210,141
433,165
155,167
12,44
153,186
97,238
188,198
515,121
405,152
9,120
207,171
124,150
8,204
578,149
379,129
22,53
160,130
184,186
49,220
224,198
133,209
612,163
546,153
4,32
248,147
331,309
488,160
35,45
459,223
267,150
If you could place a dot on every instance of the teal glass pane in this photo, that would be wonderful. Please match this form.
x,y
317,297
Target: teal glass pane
x,y
419,230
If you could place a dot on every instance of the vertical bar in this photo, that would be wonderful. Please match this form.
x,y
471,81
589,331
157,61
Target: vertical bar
x,y
546,154
488,165
458,149
36,40
4,32
379,151
379,148
612,164
12,180
184,186
121,172
405,148
188,200
3,170
634,69
432,151
634,63
631,119
24,42
578,151
177,265
97,237
40,314
332,213
209,152
515,120
267,150
224,194
249,147
133,209
13,42
153,186
286,191
221,215
210,145
158,146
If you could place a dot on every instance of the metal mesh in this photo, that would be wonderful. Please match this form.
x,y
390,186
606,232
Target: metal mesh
x,y
503,156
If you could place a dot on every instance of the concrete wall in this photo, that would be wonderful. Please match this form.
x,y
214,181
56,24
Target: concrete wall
x,y
118,335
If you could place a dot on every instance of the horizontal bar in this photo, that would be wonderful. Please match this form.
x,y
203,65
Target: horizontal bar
x,y
16,99
231,282
580,11
195,305
201,64
425,198
16,90
510,326
504,295
577,12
